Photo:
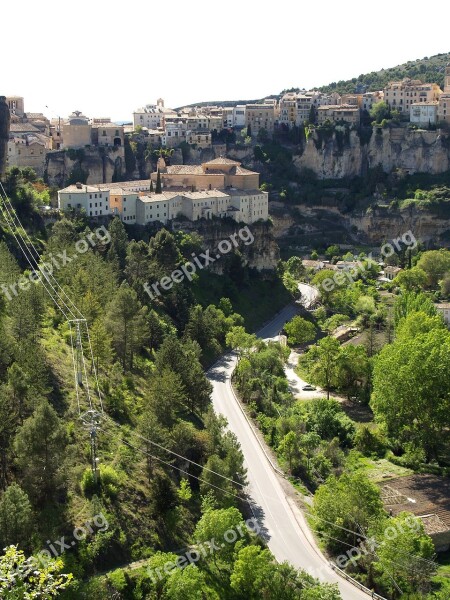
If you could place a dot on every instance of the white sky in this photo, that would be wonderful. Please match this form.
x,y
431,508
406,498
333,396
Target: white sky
x,y
109,58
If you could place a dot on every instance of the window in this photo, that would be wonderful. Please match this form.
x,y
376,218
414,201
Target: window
x,y
96,205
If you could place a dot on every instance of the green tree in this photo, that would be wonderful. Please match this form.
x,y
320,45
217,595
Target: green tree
x,y
183,358
158,189
343,506
166,396
15,517
39,447
117,251
190,583
24,579
126,322
289,448
380,111
414,279
101,343
332,251
353,370
322,359
436,264
300,331
241,341
410,302
407,375
404,558
215,524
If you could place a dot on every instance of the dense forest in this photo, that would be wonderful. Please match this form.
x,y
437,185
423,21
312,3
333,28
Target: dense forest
x,y
170,476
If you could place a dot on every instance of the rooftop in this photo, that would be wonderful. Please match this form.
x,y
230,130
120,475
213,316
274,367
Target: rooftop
x,y
82,189
221,160
426,496
23,128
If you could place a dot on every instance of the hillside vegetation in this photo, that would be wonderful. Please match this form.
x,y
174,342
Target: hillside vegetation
x,y
429,70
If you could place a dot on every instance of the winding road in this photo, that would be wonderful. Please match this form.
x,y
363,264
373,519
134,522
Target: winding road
x,y
282,523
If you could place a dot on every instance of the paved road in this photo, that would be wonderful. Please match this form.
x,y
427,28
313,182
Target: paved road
x,y
309,294
282,523
296,383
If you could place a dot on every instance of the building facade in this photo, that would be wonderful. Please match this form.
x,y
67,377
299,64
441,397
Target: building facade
x,y
260,116
399,95
92,199
424,113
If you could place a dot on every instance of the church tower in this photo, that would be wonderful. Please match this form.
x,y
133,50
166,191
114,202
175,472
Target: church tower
x,y
447,79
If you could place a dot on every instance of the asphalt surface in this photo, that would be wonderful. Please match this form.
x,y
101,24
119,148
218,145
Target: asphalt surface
x,y
282,523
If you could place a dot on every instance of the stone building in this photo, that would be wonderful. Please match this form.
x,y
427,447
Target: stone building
x,y
76,132
343,112
219,173
399,95
444,100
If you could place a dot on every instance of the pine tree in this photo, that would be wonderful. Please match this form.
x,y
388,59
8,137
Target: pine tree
x,y
158,183
15,516
39,447
151,187
118,246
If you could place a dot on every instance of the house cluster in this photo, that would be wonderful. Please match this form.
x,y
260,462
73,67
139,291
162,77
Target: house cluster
x,y
197,125
32,135
218,188
423,103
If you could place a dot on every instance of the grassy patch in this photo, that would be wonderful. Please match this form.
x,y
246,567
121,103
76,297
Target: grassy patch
x,y
382,469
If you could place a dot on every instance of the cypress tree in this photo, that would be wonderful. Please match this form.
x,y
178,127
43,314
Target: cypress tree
x,y
158,183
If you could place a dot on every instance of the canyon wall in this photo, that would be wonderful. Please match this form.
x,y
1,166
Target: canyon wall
x,y
338,155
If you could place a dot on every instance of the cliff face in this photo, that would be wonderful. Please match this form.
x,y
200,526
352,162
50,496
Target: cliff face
x,y
89,165
374,226
4,133
381,224
262,253
396,148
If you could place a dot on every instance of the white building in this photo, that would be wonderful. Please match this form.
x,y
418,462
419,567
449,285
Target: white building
x,y
150,116
246,206
93,199
444,310
424,113
371,98
239,115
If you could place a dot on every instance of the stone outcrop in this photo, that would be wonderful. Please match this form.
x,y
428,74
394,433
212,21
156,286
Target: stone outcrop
x,y
4,133
262,254
376,225
414,151
89,165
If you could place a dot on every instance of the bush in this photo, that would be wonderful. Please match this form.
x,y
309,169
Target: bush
x,y
108,483
370,441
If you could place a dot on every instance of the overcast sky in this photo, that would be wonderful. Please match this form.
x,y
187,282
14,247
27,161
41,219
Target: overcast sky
x,y
107,61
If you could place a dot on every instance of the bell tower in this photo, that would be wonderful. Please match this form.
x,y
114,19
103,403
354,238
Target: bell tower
x,y
447,79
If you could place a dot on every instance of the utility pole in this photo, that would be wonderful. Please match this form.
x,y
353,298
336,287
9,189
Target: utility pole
x,y
91,418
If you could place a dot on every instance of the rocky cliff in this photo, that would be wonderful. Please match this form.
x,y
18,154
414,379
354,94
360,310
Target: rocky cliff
x,y
88,165
339,155
262,253
4,133
312,225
